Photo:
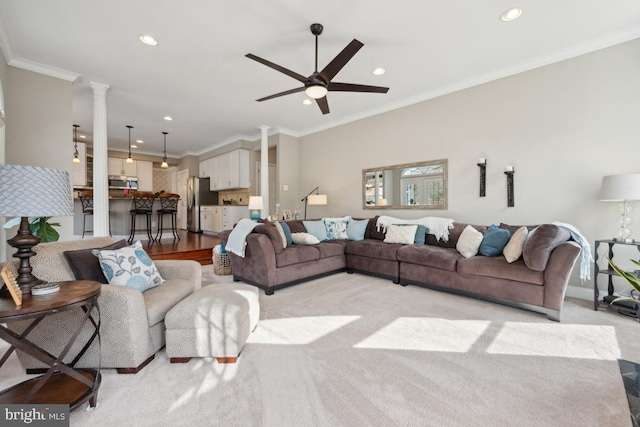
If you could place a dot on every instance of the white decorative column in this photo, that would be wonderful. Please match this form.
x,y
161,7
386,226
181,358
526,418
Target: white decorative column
x,y
264,170
100,161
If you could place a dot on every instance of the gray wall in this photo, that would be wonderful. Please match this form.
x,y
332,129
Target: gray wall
x,y
562,126
39,125
3,84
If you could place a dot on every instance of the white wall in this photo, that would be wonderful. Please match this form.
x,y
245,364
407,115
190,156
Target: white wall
x,y
562,126
39,128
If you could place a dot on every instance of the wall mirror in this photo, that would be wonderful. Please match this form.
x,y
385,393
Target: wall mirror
x,y
421,185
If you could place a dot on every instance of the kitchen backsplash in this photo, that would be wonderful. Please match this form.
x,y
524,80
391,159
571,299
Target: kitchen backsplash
x,y
234,197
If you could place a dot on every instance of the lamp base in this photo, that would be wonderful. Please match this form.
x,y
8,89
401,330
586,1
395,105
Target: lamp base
x,y
255,215
24,241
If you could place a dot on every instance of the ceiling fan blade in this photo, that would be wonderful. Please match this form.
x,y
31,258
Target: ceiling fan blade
x,y
323,104
286,92
341,60
277,67
350,87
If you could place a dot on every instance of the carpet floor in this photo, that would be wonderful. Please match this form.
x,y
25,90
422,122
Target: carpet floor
x,y
353,350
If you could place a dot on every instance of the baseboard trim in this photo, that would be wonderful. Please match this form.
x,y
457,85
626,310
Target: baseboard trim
x,y
581,292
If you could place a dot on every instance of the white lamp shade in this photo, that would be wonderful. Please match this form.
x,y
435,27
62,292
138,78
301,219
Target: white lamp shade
x,y
618,188
317,199
34,191
255,203
382,202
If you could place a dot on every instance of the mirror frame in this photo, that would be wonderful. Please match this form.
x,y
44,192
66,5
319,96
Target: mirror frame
x,y
443,206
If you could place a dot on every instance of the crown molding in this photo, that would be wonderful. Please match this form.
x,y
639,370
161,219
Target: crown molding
x,y
47,70
557,56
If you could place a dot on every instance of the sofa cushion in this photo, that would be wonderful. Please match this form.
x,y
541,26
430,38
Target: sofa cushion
x,y
296,226
329,249
317,228
287,232
85,264
304,239
498,267
356,229
375,249
469,242
513,250
431,256
372,230
404,234
539,246
269,230
454,235
159,300
296,254
494,241
129,266
283,237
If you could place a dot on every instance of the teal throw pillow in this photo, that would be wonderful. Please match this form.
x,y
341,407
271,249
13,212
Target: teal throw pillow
x,y
356,229
421,233
317,228
287,232
494,241
129,266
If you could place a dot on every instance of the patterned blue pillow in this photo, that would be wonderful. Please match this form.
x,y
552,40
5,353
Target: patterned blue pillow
x,y
336,228
129,266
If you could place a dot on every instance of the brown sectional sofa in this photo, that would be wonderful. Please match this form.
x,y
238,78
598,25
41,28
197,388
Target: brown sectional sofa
x,y
538,284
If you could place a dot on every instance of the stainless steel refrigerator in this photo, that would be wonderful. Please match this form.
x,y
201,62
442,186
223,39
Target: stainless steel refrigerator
x,y
198,194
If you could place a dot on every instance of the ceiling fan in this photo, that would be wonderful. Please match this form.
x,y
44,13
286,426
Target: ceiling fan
x,y
319,83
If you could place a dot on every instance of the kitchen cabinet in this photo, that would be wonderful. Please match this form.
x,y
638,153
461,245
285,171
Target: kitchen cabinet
x,y
204,169
229,170
232,214
217,219
144,172
79,170
121,167
206,218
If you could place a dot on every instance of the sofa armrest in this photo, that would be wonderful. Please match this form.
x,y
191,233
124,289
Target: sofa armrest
x,y
181,269
259,264
557,273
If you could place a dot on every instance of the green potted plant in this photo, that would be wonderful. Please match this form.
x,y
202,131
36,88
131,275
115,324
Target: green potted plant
x,y
40,226
630,277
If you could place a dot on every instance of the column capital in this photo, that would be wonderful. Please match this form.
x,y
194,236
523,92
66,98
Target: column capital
x,y
264,128
99,88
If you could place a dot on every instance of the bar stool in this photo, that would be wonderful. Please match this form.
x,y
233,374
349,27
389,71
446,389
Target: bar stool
x,y
142,205
168,206
86,199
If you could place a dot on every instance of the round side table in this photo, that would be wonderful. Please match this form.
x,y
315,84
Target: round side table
x,y
61,383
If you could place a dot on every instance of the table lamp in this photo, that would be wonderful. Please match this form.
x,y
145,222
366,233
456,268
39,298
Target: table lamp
x,y
255,206
621,188
32,191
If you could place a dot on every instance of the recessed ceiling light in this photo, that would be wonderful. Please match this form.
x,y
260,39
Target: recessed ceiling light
x,y
134,146
168,118
307,102
83,136
139,141
379,71
148,40
511,14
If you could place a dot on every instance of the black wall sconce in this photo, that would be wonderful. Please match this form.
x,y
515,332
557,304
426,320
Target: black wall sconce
x,y
482,163
509,171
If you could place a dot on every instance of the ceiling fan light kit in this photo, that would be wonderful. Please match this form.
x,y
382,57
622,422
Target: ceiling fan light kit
x,y
318,84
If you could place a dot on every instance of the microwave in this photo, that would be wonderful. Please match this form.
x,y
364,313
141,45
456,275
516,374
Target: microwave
x,y
117,182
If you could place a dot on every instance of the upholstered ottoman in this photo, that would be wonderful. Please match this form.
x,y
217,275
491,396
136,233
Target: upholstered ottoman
x,y
215,321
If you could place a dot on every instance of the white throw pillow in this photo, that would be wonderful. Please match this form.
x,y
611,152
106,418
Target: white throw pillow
x,y
281,232
513,250
129,266
304,239
469,241
401,234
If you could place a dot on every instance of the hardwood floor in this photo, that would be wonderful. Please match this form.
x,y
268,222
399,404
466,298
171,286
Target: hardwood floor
x,y
195,246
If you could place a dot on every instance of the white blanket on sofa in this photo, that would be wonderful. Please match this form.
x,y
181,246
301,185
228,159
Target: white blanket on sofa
x,y
437,226
237,241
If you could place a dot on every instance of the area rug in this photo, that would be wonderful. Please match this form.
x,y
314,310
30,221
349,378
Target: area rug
x,y
353,350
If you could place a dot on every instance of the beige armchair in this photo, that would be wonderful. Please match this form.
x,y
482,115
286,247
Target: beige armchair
x,y
132,323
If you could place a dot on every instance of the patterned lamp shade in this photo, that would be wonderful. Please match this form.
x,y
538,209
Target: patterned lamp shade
x,y
33,191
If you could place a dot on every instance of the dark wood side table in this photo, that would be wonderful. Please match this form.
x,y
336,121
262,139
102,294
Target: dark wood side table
x,y
607,270
61,383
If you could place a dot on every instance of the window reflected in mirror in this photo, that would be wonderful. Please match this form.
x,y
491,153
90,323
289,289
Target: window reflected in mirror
x,y
421,185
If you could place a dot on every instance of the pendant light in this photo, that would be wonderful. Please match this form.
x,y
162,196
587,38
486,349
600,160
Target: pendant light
x,y
76,158
164,164
129,159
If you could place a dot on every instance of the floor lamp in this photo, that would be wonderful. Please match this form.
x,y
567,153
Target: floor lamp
x,y
31,191
313,199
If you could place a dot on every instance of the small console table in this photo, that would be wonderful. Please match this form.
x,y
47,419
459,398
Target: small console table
x,y
61,383
607,270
